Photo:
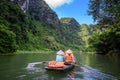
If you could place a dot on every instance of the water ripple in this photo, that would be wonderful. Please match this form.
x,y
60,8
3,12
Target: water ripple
x,y
89,73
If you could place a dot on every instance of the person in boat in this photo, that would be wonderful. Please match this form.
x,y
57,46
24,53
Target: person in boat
x,y
69,57
59,62
60,56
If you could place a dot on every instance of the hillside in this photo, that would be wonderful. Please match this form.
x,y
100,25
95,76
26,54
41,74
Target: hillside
x,y
71,23
34,26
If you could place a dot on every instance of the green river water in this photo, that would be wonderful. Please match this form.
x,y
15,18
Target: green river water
x,y
26,66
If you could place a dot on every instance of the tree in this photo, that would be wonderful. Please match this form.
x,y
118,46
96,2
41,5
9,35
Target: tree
x,y
107,14
104,11
7,40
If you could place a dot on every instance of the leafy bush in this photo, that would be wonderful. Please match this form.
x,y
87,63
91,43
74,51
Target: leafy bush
x,y
106,42
7,40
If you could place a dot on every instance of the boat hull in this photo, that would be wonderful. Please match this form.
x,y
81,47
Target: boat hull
x,y
67,67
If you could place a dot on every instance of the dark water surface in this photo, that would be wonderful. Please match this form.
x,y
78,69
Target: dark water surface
x,y
28,66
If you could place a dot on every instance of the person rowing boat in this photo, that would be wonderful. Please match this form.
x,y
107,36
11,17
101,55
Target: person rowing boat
x,y
69,57
64,61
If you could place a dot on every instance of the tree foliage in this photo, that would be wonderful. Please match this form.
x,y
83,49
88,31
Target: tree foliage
x,y
7,40
104,11
107,14
27,32
106,42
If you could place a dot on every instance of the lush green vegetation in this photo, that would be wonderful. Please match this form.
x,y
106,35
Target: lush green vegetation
x,y
7,40
106,38
12,24
20,31
84,34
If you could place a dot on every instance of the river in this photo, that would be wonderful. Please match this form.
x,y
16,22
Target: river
x,y
28,66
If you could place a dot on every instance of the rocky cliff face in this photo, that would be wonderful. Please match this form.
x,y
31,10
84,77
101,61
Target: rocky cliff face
x,y
70,23
42,12
39,10
24,4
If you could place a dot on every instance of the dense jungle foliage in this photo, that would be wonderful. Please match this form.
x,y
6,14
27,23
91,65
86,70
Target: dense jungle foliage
x,y
106,38
20,31
31,31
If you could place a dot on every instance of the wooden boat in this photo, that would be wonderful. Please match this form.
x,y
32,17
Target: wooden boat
x,y
66,67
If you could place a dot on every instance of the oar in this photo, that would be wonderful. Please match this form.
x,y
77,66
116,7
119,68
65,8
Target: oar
x,y
31,65
45,62
75,64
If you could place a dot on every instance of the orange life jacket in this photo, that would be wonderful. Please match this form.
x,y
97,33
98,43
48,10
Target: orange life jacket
x,y
54,64
59,65
68,58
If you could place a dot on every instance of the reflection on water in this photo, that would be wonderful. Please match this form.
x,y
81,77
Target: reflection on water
x,y
27,67
93,74
71,74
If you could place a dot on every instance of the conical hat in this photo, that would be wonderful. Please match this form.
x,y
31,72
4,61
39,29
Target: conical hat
x,y
69,51
60,52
